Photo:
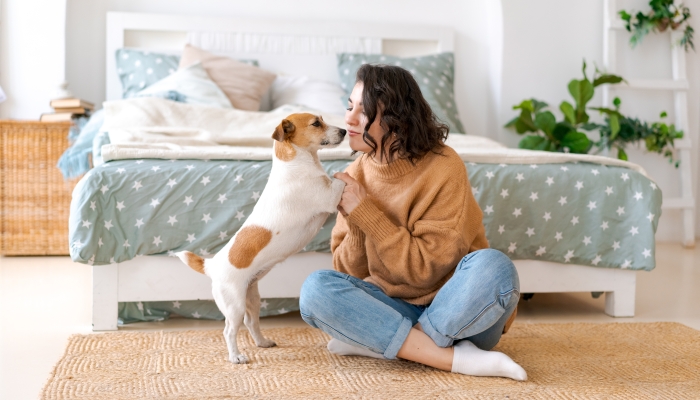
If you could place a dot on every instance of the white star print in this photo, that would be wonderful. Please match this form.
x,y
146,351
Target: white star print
x,y
625,177
650,217
239,215
519,177
120,205
533,196
206,218
596,260
604,225
638,196
653,185
549,181
111,259
189,167
558,236
541,251
239,178
188,200
501,165
222,166
256,166
126,243
154,203
591,205
139,222
595,172
104,189
138,162
156,168
264,304
533,166
108,224
255,196
616,245
176,304
646,253
574,221
530,232
137,185
608,190
488,210
490,175
222,198
190,237
203,252
568,255
634,230
586,240
171,253
282,310
562,200
171,183
547,216
196,314
501,229
157,241
620,210
86,224
517,212
504,193
564,168
579,185
77,244
205,180
475,190
223,235
172,220
512,247
93,205
99,243
121,170
626,264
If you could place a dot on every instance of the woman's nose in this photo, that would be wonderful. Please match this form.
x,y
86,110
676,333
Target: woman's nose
x,y
351,118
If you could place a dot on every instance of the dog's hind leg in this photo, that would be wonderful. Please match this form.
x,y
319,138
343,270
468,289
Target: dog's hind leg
x,y
231,302
252,317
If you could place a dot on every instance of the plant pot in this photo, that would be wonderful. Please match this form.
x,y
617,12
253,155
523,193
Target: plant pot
x,y
662,25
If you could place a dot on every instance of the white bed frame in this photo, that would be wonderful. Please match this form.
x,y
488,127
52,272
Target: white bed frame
x,y
311,44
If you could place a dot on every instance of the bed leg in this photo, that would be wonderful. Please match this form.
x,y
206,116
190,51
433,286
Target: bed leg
x,y
620,302
105,303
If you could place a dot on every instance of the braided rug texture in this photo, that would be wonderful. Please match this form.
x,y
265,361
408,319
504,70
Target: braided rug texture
x,y
563,361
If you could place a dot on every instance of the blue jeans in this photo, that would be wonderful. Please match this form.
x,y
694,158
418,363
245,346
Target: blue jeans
x,y
474,304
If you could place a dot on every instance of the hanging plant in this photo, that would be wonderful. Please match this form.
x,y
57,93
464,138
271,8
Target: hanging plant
x,y
664,14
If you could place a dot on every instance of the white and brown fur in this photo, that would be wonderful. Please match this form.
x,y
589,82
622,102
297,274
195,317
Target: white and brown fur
x,y
294,205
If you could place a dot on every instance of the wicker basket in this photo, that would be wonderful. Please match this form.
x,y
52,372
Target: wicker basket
x,y
34,197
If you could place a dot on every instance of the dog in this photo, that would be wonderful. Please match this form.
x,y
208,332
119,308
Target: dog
x,y
292,208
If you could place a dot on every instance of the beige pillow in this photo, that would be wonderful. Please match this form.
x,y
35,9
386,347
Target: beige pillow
x,y
243,84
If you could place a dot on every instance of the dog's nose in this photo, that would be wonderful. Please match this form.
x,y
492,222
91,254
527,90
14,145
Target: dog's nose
x,y
342,132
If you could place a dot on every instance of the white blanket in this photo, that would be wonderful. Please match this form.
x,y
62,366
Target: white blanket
x,y
158,128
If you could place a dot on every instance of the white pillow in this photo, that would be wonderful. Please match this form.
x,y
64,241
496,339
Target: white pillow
x,y
194,84
326,97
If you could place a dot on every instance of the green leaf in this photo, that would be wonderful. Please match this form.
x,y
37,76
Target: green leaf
x,y
538,105
561,129
621,154
582,92
603,79
577,142
617,102
511,123
590,126
524,105
568,111
525,123
614,125
545,121
531,142
663,114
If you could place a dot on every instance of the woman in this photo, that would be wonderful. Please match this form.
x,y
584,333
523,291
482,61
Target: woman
x,y
414,278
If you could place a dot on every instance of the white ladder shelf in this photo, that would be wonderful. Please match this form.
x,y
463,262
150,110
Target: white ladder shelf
x,y
679,85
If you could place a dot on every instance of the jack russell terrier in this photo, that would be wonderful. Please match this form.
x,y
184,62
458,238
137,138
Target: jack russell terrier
x,y
294,205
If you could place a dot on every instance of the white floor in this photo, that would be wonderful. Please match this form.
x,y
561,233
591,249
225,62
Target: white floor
x,y
43,300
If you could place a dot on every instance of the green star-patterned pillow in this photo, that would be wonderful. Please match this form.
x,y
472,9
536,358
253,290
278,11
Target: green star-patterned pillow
x,y
434,74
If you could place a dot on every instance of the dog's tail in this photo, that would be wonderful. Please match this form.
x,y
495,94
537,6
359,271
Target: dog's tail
x,y
192,260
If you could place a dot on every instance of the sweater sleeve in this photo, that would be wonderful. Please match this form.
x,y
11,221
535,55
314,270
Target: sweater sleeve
x,y
348,248
420,256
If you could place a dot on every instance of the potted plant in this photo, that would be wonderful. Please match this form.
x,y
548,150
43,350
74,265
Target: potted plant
x,y
664,14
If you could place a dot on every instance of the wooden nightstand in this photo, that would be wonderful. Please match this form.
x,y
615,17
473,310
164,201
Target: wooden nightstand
x,y
34,197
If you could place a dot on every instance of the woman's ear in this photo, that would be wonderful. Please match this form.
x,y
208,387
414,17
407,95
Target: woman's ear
x,y
283,130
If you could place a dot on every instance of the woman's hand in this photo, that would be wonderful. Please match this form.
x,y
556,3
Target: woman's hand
x,y
353,194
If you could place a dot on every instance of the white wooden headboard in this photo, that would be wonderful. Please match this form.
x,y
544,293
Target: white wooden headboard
x,y
281,46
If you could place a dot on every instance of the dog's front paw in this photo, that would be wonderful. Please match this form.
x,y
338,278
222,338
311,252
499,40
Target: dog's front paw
x,y
266,343
238,359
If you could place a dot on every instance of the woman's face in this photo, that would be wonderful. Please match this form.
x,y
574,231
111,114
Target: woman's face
x,y
356,120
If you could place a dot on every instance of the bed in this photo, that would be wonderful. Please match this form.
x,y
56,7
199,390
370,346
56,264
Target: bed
x,y
571,223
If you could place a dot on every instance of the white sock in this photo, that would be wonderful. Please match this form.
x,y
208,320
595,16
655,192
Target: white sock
x,y
335,346
471,360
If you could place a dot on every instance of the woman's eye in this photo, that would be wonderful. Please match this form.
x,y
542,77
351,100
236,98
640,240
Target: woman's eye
x,y
349,108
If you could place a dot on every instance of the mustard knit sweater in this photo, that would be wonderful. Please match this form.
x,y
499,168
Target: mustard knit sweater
x,y
414,226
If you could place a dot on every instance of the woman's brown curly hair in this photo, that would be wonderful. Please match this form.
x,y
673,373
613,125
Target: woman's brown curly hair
x,y
404,113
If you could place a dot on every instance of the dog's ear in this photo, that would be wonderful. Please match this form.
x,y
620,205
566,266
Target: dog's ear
x,y
283,130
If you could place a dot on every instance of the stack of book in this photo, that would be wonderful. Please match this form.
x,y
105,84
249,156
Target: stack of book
x,y
67,109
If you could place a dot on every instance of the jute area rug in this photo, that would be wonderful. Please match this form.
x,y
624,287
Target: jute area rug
x,y
563,361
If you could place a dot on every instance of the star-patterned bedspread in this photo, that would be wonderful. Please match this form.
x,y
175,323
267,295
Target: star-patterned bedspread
x,y
579,213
